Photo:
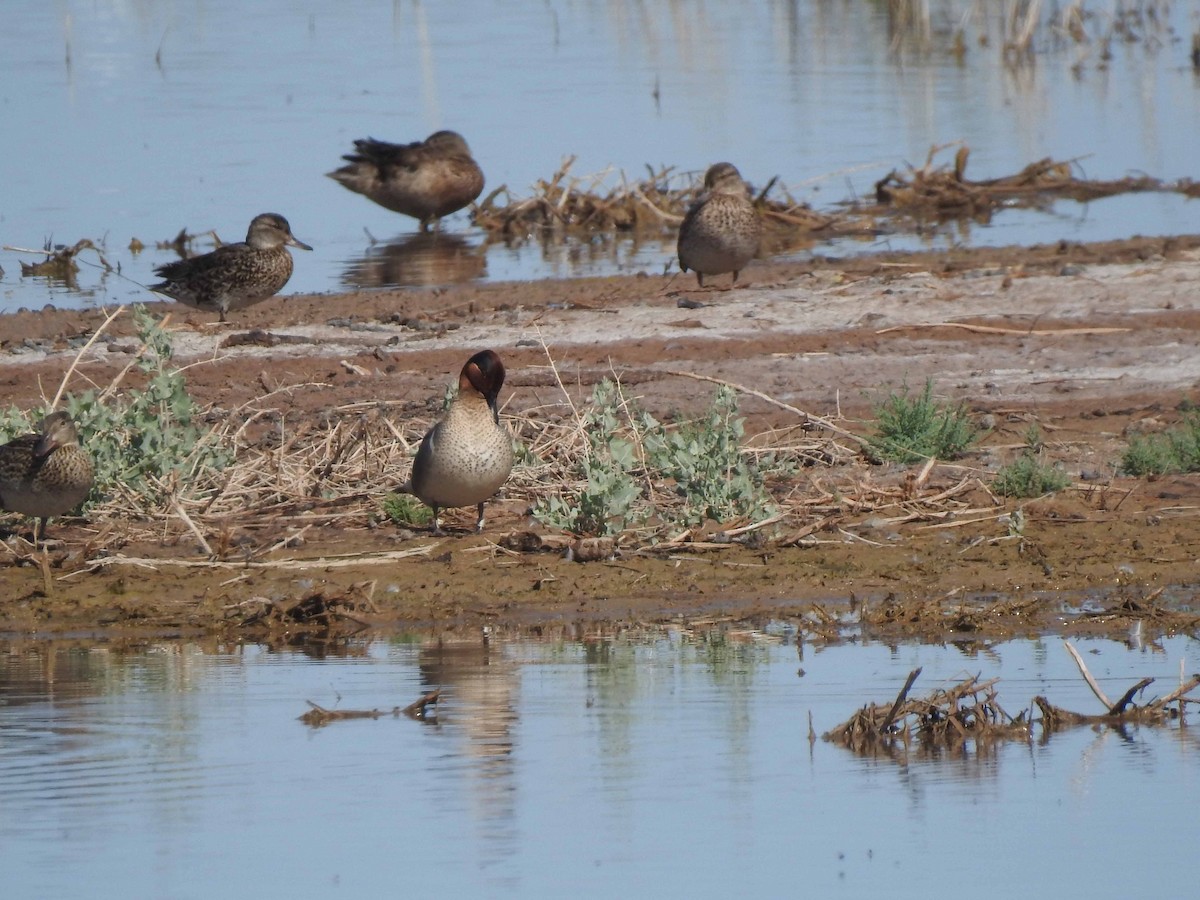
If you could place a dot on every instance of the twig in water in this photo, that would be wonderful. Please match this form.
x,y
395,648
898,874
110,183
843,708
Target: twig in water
x,y
1087,676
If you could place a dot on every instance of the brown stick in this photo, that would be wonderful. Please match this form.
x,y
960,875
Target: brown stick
x,y
888,719
1118,708
1185,688
991,329
416,709
82,350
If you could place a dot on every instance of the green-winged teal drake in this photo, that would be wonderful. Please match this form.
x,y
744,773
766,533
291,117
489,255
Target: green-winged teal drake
x,y
467,456
426,180
722,230
234,276
47,473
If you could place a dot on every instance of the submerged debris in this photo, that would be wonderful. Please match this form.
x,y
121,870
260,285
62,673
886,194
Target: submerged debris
x,y
319,716
970,711
944,192
314,610
60,265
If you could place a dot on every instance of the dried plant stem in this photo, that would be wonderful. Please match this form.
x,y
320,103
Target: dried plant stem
x,y
1087,676
187,520
558,378
808,417
62,387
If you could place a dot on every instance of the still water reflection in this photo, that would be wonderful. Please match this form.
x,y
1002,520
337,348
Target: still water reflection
x,y
678,763
125,120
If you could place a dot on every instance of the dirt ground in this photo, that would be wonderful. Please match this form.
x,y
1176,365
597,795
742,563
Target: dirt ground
x,y
1090,342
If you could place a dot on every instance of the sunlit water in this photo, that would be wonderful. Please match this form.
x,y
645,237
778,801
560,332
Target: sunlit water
x,y
125,120
652,763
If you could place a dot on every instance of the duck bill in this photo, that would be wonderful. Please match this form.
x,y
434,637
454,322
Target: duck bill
x,y
45,446
291,241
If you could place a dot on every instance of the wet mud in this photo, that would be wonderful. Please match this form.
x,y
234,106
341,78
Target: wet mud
x,y
1089,342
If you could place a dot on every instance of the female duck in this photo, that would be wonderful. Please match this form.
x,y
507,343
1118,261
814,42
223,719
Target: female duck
x,y
722,230
426,180
234,276
45,474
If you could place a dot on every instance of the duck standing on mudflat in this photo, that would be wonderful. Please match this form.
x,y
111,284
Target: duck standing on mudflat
x,y
47,473
426,180
722,230
467,456
234,276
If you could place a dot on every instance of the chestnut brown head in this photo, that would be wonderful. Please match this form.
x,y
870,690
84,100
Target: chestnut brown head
x,y
483,374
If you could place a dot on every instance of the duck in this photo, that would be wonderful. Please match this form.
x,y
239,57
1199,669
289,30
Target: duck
x,y
426,179
722,230
45,473
234,276
467,455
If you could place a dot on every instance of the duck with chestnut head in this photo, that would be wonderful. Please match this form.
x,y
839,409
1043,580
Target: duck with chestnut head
x,y
466,456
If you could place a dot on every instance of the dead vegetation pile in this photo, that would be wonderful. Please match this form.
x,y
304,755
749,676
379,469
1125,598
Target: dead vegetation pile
x,y
970,712
943,192
935,191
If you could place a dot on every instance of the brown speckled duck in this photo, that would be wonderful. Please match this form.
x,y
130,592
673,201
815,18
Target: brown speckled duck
x,y
467,456
426,180
47,473
234,276
722,230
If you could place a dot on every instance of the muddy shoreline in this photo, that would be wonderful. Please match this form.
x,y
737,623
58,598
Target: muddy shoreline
x,y
1090,342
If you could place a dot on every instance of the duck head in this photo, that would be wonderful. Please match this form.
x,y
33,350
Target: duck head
x,y
271,230
724,178
483,375
58,430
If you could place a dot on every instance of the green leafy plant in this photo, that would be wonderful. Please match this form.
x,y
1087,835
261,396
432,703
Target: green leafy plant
x,y
913,427
145,441
704,459
406,510
1029,475
1175,450
629,454
609,501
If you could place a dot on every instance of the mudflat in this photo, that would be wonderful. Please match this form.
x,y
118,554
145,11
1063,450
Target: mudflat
x,y
1090,343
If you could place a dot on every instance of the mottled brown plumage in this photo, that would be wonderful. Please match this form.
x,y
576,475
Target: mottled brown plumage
x,y
234,276
47,473
426,180
722,230
467,456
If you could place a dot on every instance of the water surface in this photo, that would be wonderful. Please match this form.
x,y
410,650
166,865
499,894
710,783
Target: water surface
x,y
678,762
136,120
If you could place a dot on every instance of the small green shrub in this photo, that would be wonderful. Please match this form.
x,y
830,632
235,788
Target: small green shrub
x,y
609,502
910,428
144,441
1029,476
630,454
406,510
704,459
1175,450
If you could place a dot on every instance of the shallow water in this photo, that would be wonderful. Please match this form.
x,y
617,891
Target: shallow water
x,y
579,765
126,120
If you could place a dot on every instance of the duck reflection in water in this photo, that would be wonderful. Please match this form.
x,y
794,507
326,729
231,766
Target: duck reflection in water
x,y
480,686
424,259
